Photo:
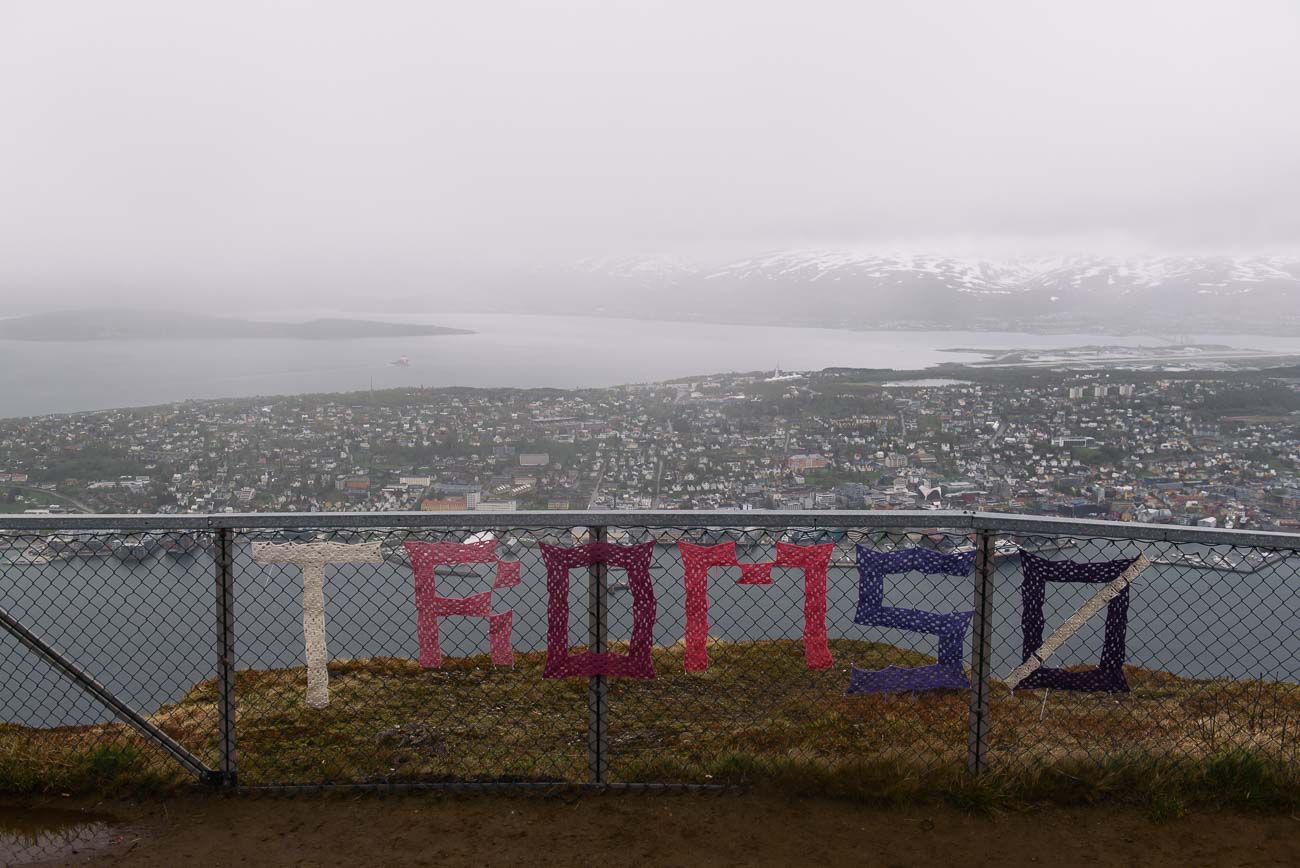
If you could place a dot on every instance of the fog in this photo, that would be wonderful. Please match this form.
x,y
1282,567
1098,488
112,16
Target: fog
x,y
273,152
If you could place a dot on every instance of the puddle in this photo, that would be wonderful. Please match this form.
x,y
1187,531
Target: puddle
x,y
31,836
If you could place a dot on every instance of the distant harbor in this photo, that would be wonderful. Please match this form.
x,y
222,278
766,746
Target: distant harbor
x,y
1184,356
1218,562
20,548
505,350
924,383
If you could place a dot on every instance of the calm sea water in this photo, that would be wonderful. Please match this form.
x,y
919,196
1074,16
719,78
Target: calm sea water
x,y
146,630
507,350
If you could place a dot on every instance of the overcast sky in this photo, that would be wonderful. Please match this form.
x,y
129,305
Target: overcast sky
x,y
151,144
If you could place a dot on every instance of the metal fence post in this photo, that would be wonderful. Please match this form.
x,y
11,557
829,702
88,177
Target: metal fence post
x,y
225,610
597,640
79,676
981,653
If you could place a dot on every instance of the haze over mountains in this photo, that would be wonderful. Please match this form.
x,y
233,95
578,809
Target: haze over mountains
x,y
843,288
1182,295
134,325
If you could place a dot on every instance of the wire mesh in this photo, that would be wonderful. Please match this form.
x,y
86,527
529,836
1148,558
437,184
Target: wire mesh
x,y
132,611
1210,641
1210,665
389,719
759,706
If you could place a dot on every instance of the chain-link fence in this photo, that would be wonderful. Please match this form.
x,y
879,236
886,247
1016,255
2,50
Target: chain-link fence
x,y
635,649
101,632
1207,655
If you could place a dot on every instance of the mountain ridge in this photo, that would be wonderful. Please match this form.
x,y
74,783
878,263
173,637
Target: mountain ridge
x,y
845,288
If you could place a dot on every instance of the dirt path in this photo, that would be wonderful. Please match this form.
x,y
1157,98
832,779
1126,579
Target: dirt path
x,y
717,831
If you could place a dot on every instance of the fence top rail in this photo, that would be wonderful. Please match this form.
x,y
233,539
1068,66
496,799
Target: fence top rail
x,y
953,520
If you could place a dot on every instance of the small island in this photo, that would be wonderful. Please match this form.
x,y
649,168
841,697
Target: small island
x,y
138,325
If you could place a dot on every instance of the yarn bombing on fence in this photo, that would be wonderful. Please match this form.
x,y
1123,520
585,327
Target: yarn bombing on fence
x,y
637,662
431,608
312,558
814,561
950,627
1108,675
696,560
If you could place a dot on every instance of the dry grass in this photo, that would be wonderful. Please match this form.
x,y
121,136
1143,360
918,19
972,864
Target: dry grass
x,y
758,716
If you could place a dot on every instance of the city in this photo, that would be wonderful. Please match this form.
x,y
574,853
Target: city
x,y
1215,449
443,418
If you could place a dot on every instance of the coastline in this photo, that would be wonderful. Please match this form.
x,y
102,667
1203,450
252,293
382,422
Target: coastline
x,y
521,351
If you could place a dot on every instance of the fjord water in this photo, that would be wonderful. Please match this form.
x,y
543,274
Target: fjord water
x,y
146,630
507,350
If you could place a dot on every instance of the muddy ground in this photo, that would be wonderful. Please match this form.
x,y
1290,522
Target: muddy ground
x,y
661,830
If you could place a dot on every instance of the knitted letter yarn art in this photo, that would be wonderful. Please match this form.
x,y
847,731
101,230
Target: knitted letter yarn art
x,y
696,561
635,559
431,607
312,558
1108,675
949,627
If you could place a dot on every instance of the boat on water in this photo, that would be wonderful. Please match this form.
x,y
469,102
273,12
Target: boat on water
x,y
89,547
136,547
1045,547
393,548
1008,549
705,536
64,545
624,536
35,551
1005,548
179,545
1219,562
746,536
470,569
808,536
59,545
668,536
394,551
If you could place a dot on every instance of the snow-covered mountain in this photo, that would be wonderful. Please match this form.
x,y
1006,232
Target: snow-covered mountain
x,y
846,288
652,272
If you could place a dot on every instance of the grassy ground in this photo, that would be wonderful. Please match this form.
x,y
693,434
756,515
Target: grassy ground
x,y
757,717
29,498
